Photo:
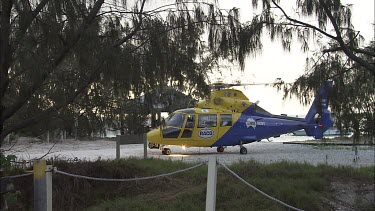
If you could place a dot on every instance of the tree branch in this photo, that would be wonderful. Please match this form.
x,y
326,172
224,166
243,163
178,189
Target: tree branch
x,y
54,109
303,23
138,26
11,110
25,96
345,48
25,27
357,50
5,52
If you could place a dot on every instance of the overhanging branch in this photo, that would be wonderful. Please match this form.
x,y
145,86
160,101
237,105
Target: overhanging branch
x,y
25,27
56,62
357,50
341,42
54,109
303,23
26,95
131,34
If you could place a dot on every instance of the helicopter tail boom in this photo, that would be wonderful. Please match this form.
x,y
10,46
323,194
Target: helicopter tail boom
x,y
319,118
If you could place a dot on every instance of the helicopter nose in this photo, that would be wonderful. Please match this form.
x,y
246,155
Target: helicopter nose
x,y
154,136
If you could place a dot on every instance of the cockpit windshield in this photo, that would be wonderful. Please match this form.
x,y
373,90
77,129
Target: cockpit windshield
x,y
175,120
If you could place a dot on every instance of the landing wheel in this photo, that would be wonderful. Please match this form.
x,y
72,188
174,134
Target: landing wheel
x,y
153,145
220,149
166,151
243,150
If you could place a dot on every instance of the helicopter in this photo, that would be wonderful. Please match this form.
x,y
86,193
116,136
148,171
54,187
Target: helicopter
x,y
228,118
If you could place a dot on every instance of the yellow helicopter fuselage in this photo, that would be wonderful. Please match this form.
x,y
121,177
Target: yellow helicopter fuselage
x,y
228,118
204,124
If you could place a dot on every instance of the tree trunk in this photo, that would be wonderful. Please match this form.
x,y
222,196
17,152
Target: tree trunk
x,y
356,134
153,119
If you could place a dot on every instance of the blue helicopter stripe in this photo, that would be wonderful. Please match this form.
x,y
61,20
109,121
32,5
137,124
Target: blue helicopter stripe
x,y
255,126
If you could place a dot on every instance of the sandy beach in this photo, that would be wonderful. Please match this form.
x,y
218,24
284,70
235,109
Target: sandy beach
x,y
263,151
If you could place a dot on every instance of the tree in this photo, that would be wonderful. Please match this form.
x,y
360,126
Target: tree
x,y
328,14
343,58
72,60
165,100
353,98
36,41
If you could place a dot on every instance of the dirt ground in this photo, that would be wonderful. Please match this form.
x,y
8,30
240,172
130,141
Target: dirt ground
x,y
352,196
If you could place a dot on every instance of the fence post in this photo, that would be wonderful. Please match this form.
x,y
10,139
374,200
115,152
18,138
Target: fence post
x,y
118,147
211,184
4,187
24,165
47,137
144,136
42,186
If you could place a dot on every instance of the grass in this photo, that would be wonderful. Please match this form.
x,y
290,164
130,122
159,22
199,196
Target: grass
x,y
301,185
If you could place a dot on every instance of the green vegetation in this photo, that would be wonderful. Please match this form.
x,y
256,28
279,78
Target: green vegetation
x,y
301,185
6,160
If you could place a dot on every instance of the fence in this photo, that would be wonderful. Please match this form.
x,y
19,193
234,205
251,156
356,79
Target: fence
x,y
131,139
43,183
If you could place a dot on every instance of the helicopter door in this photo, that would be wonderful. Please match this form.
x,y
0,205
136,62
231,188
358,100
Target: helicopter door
x,y
207,127
173,125
189,126
225,124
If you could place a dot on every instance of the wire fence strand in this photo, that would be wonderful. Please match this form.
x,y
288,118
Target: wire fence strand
x,y
261,192
129,179
16,176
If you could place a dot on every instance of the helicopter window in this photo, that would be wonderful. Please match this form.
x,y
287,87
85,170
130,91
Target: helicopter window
x,y
190,121
225,119
187,133
171,132
176,120
207,120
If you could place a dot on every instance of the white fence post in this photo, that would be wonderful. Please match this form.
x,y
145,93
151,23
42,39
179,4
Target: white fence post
x,y
42,186
49,187
211,184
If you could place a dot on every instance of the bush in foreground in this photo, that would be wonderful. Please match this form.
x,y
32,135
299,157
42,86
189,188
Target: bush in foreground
x,y
301,185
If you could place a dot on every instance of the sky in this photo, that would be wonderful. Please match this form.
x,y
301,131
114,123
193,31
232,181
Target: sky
x,y
274,62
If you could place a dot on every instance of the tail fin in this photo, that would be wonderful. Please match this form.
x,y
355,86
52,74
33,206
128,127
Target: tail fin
x,y
319,118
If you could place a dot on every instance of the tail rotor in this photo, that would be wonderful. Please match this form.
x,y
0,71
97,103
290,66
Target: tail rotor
x,y
319,118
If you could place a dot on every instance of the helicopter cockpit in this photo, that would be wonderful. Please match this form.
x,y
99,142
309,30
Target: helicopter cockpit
x,y
183,123
177,121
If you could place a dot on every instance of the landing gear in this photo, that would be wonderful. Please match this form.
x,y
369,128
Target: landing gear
x,y
166,151
153,145
243,150
220,149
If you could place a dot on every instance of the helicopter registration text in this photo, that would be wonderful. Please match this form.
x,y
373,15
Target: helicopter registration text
x,y
206,133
